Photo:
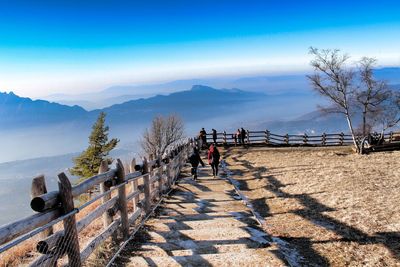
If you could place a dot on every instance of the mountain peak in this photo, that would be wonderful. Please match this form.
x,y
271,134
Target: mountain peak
x,y
203,88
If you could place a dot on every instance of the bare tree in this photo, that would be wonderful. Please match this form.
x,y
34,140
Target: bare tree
x,y
371,94
388,113
334,80
163,133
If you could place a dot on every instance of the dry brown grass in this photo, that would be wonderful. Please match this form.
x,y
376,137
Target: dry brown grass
x,y
335,207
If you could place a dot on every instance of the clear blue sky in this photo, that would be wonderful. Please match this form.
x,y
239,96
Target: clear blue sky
x,y
79,46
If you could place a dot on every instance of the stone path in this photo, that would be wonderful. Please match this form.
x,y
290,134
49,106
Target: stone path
x,y
203,223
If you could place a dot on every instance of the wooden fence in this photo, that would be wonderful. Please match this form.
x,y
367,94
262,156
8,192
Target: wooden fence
x,y
148,182
266,138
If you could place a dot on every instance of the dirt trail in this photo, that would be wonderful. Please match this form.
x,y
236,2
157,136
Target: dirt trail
x,y
203,223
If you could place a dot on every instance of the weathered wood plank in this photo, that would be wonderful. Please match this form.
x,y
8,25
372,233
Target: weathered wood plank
x,y
107,219
39,188
122,202
13,230
67,201
134,216
134,184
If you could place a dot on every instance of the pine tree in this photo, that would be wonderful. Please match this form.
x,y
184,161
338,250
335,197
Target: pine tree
x,y
87,164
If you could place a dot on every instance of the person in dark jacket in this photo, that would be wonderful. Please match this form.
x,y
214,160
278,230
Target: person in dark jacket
x,y
214,135
239,136
242,135
213,158
195,160
203,136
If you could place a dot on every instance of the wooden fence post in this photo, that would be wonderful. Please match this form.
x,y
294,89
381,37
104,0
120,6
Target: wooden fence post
x,y
323,141
70,231
134,184
267,135
39,188
248,137
161,181
122,200
151,171
287,139
107,218
341,139
168,173
391,137
160,171
305,139
224,138
146,186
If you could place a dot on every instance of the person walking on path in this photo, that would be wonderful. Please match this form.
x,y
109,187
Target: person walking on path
x,y
195,160
239,136
214,135
203,136
243,135
213,158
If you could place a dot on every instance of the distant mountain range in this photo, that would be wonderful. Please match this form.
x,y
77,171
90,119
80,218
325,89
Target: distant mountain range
x,y
18,112
314,122
121,94
271,84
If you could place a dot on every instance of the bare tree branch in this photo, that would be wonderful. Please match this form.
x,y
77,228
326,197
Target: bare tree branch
x,y
163,133
371,93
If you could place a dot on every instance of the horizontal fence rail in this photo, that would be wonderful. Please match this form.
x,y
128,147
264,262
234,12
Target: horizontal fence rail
x,y
124,196
266,138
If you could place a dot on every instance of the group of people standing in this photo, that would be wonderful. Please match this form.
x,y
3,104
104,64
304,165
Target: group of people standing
x,y
213,154
240,136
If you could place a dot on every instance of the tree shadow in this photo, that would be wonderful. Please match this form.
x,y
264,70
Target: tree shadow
x,y
312,210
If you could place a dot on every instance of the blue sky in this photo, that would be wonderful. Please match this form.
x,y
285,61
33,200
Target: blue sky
x,y
81,46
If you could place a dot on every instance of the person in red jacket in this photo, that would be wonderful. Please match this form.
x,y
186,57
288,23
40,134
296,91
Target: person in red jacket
x,y
213,158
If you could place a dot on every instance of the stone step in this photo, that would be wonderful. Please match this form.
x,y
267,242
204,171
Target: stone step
x,y
202,202
209,235
254,258
190,247
213,196
204,189
240,215
174,210
205,206
170,224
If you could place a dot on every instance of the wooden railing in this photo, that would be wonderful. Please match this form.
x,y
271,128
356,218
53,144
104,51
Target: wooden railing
x,y
143,185
267,138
